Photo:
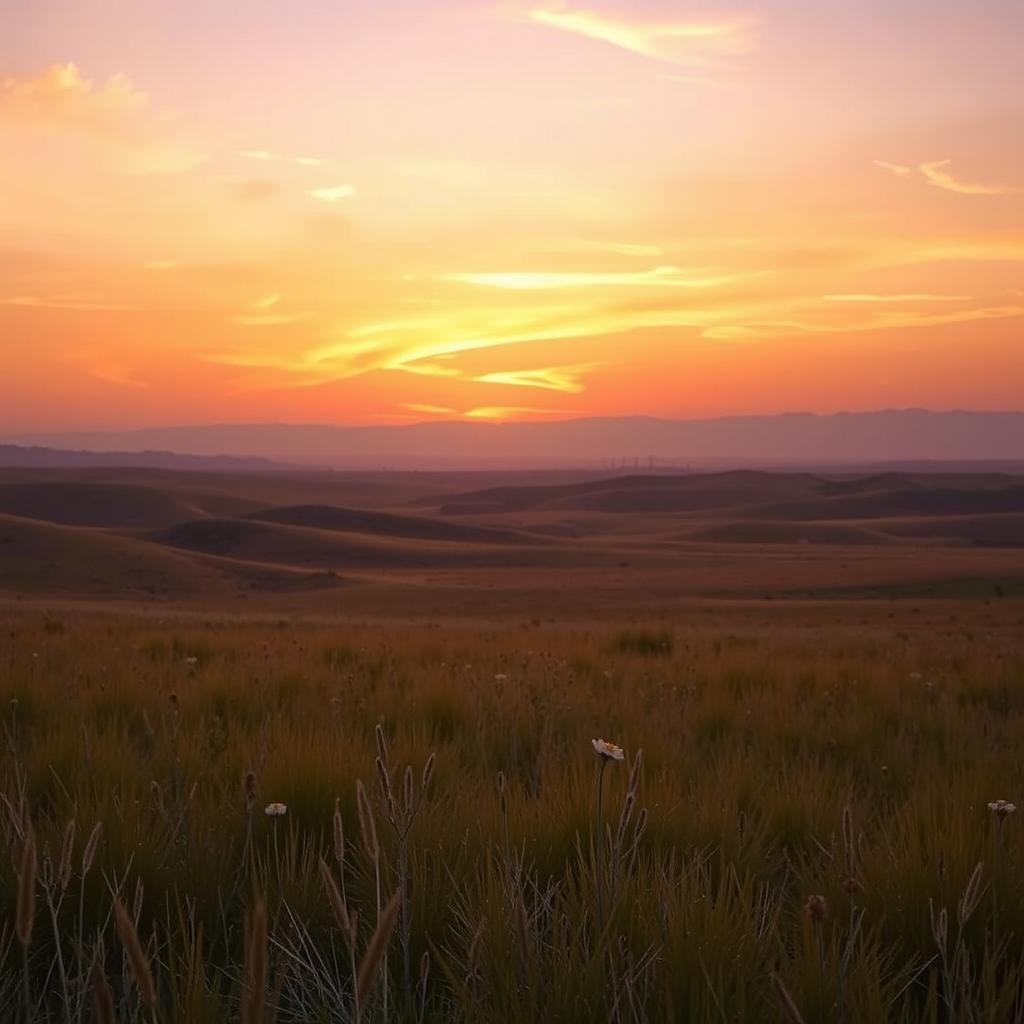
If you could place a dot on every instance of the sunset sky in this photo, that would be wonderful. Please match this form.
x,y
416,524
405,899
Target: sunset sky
x,y
385,211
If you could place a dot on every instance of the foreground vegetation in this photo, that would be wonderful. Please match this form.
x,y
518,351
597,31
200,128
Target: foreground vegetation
x,y
805,837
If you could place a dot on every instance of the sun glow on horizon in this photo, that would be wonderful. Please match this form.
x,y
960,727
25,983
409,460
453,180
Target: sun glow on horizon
x,y
417,211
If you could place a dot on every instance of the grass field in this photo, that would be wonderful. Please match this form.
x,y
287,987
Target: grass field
x,y
805,837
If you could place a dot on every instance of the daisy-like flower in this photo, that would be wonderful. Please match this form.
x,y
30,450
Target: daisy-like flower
x,y
1002,807
275,810
608,750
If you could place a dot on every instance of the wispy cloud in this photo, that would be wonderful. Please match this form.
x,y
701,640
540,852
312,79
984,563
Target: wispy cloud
x,y
507,412
271,156
78,303
894,320
685,42
943,179
612,248
115,115
935,174
659,277
265,312
551,378
898,169
333,193
264,155
904,297
429,410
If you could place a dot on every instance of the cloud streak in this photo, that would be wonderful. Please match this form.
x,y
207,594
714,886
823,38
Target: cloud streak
x,y
333,193
940,178
934,173
553,378
659,277
687,43
903,297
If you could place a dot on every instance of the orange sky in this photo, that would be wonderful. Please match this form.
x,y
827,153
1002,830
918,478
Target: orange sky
x,y
388,212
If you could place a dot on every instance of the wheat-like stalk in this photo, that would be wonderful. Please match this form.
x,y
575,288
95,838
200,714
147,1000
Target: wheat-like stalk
x,y
367,826
337,902
137,959
102,996
67,848
339,837
91,844
376,948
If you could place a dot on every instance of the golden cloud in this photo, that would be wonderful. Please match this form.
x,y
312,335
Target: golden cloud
x,y
115,116
552,378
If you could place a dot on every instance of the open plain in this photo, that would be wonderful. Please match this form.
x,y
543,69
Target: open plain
x,y
823,674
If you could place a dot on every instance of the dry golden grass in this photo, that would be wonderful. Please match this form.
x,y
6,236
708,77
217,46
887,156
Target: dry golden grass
x,y
807,833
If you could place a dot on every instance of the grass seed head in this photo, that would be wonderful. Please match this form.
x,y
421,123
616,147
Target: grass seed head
x,y
67,848
338,829
138,962
367,826
337,902
376,948
102,996
91,845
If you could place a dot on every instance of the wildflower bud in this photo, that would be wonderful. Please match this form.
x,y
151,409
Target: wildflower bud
x,y
816,908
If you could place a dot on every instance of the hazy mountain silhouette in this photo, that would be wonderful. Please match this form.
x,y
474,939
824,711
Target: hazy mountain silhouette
x,y
14,456
890,436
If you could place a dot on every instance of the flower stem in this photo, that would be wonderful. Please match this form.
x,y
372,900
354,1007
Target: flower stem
x,y
599,851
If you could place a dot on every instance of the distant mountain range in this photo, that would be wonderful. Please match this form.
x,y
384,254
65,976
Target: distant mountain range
x,y
35,457
892,437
